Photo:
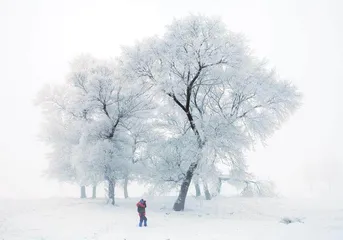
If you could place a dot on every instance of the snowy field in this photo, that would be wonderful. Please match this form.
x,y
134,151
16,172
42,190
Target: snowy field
x,y
222,218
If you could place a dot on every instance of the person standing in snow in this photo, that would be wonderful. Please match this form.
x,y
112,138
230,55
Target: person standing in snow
x,y
141,205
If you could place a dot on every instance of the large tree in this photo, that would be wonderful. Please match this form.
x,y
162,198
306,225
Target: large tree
x,y
206,75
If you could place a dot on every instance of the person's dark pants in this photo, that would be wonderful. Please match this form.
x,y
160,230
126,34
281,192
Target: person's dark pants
x,y
142,218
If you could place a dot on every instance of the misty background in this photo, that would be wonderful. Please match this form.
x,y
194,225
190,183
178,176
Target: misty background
x,y
302,39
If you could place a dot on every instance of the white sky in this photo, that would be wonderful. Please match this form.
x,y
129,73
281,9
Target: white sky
x,y
301,38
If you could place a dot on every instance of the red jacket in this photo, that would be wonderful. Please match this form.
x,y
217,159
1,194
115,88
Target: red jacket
x,y
141,208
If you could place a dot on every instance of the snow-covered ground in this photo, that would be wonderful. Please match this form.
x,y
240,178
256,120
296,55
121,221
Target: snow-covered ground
x,y
222,218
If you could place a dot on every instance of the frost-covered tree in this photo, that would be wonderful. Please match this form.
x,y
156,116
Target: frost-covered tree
x,y
55,131
247,183
95,106
138,135
209,177
206,75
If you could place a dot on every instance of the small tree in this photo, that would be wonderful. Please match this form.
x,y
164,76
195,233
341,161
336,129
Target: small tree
x,y
94,106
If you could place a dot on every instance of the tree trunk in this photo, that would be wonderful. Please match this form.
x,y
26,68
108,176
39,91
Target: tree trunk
x,y
94,192
218,188
206,191
197,188
83,192
179,205
126,182
111,187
